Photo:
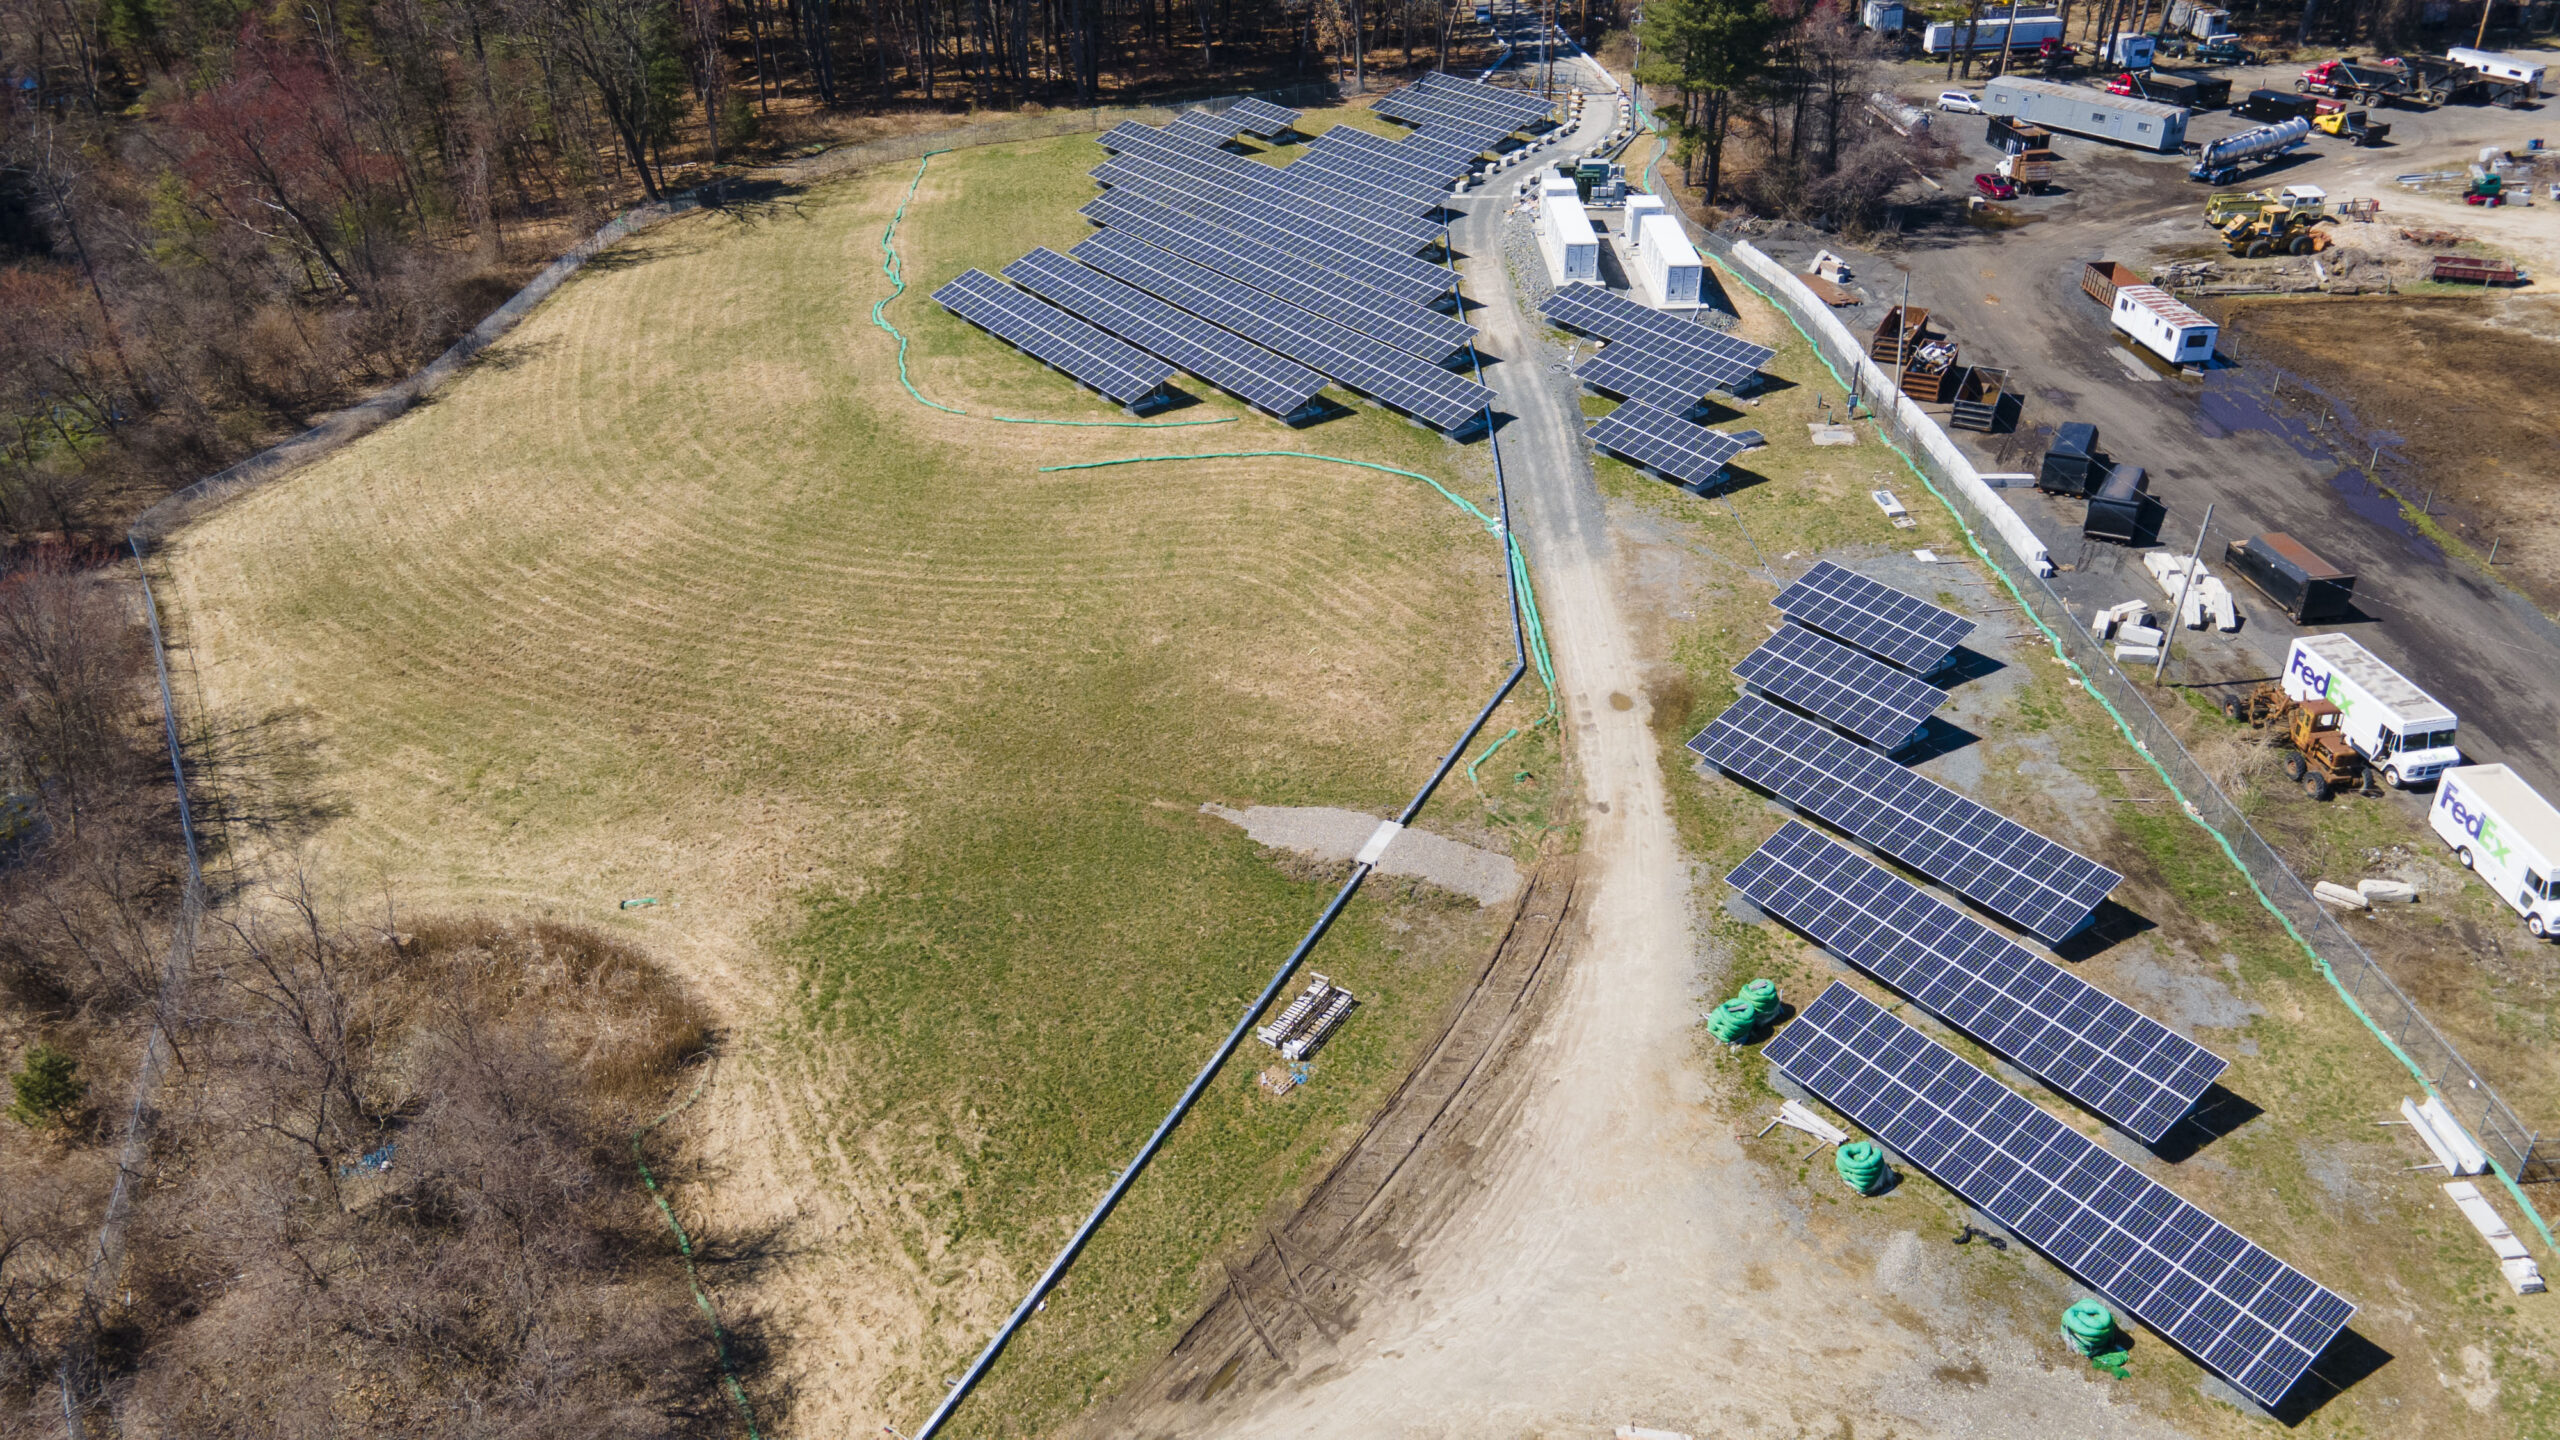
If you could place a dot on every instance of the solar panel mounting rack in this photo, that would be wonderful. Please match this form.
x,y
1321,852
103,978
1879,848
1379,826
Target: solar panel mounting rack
x,y
2246,1315
1663,440
1892,624
2043,887
1120,371
2126,1067
1822,677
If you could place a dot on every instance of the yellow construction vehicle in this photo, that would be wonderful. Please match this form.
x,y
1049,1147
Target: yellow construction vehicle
x,y
2274,229
2319,757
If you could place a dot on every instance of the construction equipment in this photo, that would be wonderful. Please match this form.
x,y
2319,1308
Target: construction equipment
x,y
2219,210
2318,756
2350,80
2222,161
2485,189
2274,229
2351,126
2031,170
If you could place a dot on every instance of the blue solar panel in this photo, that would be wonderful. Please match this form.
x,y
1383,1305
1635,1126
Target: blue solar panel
x,y
1522,110
1272,382
2046,889
1117,370
1402,231
1641,328
2121,1063
1664,440
1829,681
1674,383
1261,117
1388,269
1873,616
2248,1316
1424,169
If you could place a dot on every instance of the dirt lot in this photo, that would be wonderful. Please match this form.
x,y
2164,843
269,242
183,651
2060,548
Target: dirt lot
x,y
2457,392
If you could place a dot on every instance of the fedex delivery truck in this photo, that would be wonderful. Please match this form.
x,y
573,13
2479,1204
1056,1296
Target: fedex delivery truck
x,y
2398,728
2507,834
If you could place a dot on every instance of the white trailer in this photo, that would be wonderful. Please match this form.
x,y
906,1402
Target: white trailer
x,y
1571,246
2130,50
2159,323
1990,33
2499,66
2401,730
1882,16
1639,205
2506,833
1667,267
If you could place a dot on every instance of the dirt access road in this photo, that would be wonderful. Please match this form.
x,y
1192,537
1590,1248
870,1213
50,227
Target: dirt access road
x,y
1610,1255
2012,298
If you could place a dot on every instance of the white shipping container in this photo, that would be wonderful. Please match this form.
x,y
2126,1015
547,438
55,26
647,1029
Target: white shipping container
x,y
1639,205
2505,833
2130,50
2498,66
2027,34
2160,324
1667,265
1572,247
2398,728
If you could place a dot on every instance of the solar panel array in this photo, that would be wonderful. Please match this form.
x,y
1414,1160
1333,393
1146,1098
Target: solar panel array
x,y
1873,616
1270,382
1117,370
1234,174
1465,113
1522,110
1672,384
1261,117
1422,164
2125,1066
1361,176
1202,128
1830,681
2251,1318
1667,441
1418,329
1387,267
1615,318
2046,888
1369,366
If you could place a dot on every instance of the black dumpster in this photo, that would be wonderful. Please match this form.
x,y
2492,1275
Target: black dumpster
x,y
2309,589
2071,466
2122,509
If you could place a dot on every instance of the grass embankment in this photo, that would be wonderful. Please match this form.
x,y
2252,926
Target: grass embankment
x,y
679,596
2310,1174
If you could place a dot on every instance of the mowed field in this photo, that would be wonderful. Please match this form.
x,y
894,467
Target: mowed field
x,y
678,595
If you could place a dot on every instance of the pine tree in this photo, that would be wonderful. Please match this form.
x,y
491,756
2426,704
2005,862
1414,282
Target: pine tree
x,y
48,1087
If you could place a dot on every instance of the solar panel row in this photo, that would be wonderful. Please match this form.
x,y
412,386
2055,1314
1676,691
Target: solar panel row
x,y
2125,1066
1451,110
1270,382
1369,366
1873,616
1407,326
1235,174
1521,109
2045,888
1310,175
1828,680
1200,127
1614,317
1674,384
1396,157
1261,117
1116,369
1384,266
1665,440
1458,158
2253,1319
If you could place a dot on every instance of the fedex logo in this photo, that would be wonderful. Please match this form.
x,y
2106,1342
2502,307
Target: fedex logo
x,y
2473,823
2319,683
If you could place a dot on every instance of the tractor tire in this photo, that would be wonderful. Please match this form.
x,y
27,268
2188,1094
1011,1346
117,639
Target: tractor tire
x,y
2298,245
2294,768
2232,711
2258,250
2464,855
2316,786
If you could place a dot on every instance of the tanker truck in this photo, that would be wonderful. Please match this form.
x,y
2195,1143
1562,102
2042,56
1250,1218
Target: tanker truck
x,y
2224,159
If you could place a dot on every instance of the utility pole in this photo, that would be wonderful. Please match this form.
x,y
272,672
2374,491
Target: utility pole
x,y
2178,616
2481,39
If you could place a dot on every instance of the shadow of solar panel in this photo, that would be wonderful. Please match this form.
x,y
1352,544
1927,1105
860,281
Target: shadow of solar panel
x,y
2125,1066
1672,382
1271,382
2044,888
1396,271
1873,616
1117,370
1424,167
1372,367
2246,1315
1416,329
1621,321
1405,232
1261,117
1830,681
1666,441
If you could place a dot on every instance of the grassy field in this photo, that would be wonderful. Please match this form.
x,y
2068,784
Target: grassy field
x,y
679,596
2309,1174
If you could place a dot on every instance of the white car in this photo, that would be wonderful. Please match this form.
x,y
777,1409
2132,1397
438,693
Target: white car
x,y
1957,102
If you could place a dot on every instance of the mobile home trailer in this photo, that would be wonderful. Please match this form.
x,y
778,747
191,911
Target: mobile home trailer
x,y
2143,124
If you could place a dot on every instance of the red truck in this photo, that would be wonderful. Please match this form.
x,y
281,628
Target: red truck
x,y
2348,80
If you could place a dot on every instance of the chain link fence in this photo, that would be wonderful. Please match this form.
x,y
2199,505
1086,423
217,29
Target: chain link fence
x,y
2395,1018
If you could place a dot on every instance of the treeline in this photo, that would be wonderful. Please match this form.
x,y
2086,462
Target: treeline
x,y
219,220
1769,107
390,1188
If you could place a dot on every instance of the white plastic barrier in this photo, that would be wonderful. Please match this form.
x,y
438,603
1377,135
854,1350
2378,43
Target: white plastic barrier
x,y
1873,383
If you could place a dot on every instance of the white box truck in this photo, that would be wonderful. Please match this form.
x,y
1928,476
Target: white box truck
x,y
2161,324
2507,834
2406,734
